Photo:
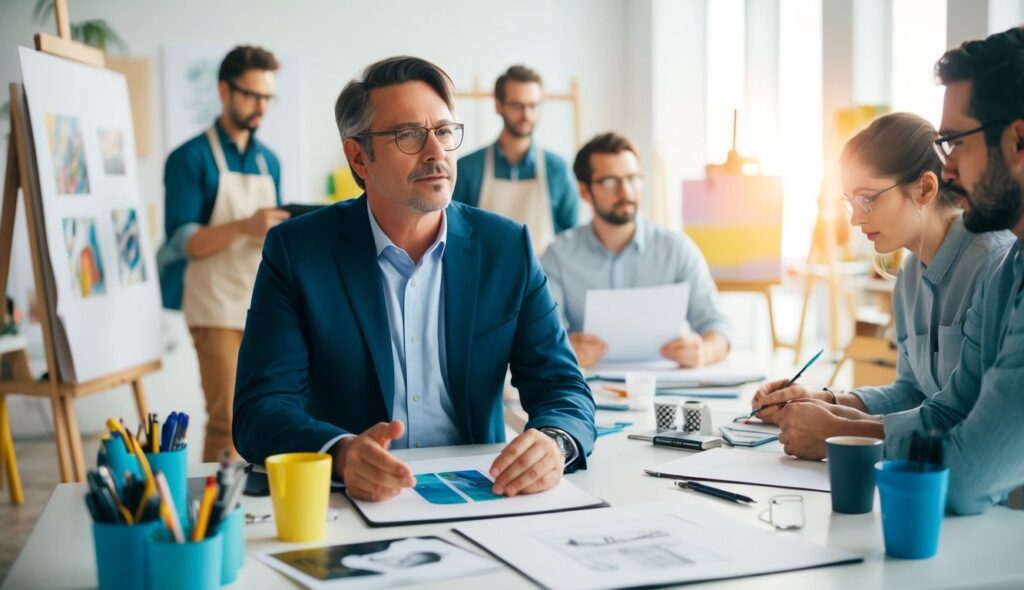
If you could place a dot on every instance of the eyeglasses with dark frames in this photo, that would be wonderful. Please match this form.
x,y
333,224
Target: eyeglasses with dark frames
x,y
252,96
412,140
945,144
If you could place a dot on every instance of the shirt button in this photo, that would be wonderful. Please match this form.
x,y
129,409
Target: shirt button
x,y
412,283
413,339
415,398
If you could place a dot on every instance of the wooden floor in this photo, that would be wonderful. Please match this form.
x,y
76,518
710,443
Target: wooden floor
x,y
37,463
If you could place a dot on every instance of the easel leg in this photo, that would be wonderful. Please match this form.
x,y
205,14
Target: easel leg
x,y
140,400
74,437
9,459
60,433
798,348
771,318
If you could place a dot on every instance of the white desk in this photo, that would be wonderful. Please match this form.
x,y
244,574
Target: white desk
x,y
974,552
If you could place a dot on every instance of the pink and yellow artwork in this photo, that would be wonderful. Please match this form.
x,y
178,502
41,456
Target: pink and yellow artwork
x,y
84,261
736,221
67,149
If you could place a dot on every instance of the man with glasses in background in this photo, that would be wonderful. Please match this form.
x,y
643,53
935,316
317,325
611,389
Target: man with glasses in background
x,y
389,321
618,250
222,194
514,177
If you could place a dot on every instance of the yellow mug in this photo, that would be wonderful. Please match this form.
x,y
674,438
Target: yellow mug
x,y
300,488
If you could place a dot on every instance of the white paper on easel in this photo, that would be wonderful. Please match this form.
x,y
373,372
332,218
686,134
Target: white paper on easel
x,y
452,481
644,545
750,466
107,297
637,322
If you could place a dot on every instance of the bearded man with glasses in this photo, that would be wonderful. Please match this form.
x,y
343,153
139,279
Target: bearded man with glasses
x,y
618,250
389,321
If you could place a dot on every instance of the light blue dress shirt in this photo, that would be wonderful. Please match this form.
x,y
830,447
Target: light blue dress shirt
x,y
981,408
930,304
414,298
577,262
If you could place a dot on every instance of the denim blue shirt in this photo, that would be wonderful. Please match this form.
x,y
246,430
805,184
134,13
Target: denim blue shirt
x,y
577,262
981,407
565,197
930,304
191,179
414,298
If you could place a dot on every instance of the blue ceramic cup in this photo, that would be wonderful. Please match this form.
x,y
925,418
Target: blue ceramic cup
x,y
851,461
174,466
913,505
121,554
231,530
174,566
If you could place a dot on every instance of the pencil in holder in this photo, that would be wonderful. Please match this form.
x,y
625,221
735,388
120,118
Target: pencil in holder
x,y
174,466
119,460
174,566
120,551
231,531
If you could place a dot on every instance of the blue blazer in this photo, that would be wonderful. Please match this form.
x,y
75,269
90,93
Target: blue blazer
x,y
316,359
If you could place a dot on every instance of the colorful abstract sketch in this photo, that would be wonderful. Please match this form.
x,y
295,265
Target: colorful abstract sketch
x,y
129,257
84,261
67,148
112,150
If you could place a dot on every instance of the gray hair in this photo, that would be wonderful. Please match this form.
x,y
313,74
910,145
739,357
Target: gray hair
x,y
353,111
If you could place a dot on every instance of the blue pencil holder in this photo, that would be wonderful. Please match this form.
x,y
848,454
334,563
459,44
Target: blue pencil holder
x,y
231,530
121,554
174,566
174,466
119,460
913,505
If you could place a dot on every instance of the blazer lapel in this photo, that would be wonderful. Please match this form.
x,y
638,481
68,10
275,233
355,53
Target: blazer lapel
x,y
356,257
461,279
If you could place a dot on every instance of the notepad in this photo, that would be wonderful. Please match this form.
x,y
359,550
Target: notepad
x,y
750,467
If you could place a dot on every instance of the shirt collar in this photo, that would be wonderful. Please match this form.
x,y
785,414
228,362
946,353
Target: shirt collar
x,y
639,241
528,159
956,240
383,243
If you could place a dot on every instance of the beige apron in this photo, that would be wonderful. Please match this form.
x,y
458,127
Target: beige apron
x,y
526,201
218,288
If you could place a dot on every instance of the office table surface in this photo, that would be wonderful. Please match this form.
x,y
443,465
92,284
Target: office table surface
x,y
974,552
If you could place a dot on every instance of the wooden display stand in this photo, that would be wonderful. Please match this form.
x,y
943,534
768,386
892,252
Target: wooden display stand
x,y
21,174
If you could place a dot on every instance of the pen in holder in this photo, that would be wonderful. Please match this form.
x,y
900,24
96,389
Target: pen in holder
x,y
174,466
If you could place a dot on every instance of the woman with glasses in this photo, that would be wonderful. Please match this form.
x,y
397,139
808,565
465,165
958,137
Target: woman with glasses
x,y
892,189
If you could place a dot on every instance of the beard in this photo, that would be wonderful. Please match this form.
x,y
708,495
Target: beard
x,y
440,199
247,123
521,131
996,202
610,216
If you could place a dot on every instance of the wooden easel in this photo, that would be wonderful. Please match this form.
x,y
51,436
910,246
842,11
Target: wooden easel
x,y
572,97
22,174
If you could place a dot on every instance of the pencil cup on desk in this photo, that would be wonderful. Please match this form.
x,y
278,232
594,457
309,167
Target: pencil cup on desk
x,y
174,466
231,531
300,489
121,554
119,460
913,505
176,566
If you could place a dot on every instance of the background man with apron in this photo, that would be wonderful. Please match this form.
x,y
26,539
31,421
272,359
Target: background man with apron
x,y
514,177
222,195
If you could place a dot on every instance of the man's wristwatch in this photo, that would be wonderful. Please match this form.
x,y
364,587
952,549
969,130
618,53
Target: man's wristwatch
x,y
565,443
835,398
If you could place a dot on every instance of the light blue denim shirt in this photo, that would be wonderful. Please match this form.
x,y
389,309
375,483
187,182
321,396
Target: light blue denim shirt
x,y
981,408
930,304
577,262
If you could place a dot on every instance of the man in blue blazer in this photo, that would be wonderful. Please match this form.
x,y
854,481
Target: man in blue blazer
x,y
390,320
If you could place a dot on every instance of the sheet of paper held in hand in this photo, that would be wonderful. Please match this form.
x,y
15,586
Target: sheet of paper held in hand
x,y
749,466
460,488
645,545
636,323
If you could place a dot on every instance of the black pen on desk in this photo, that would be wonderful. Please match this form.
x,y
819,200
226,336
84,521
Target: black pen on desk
x,y
716,492
791,381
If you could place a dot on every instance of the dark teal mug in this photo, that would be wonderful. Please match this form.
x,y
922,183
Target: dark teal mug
x,y
851,472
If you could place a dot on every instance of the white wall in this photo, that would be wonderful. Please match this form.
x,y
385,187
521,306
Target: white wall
x,y
335,39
